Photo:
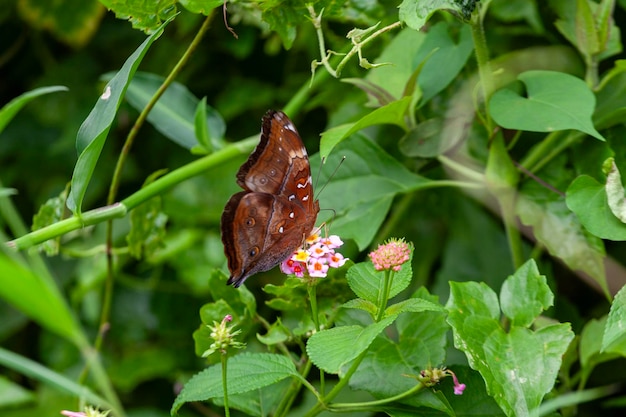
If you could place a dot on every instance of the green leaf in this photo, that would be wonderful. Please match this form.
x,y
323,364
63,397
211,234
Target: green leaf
x,y
245,372
615,190
355,206
438,58
587,198
201,6
38,299
537,295
614,339
147,225
385,370
590,347
543,107
393,113
611,97
415,13
49,213
586,34
412,305
367,282
73,22
361,304
176,113
9,110
283,16
519,367
334,348
144,15
93,132
14,395
560,231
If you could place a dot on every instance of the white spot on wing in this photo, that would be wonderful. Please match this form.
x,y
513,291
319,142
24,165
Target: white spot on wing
x,y
305,198
291,215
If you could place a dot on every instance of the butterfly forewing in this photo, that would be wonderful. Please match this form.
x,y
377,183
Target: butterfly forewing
x,y
263,225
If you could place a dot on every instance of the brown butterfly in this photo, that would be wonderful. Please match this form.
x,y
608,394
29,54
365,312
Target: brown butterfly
x,y
263,225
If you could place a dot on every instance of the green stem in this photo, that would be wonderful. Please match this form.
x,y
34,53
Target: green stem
x,y
367,405
153,189
312,290
484,67
320,406
549,148
383,295
224,360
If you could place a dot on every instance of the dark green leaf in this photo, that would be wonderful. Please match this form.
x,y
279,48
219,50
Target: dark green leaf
x,y
543,107
331,349
50,213
587,198
94,130
246,372
9,110
614,338
144,15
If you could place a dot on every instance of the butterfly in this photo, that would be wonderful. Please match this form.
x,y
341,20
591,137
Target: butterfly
x,y
264,224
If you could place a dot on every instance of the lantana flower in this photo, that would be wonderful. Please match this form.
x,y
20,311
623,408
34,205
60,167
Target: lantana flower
x,y
89,412
391,255
223,336
315,258
433,376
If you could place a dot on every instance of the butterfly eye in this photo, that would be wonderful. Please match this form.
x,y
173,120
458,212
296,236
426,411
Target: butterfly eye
x,y
250,221
253,252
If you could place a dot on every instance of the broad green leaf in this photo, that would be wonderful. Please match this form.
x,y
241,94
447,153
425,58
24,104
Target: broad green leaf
x,y
73,22
385,371
536,298
560,231
543,107
174,115
587,198
9,110
614,339
524,365
144,15
367,282
49,213
415,13
440,56
94,130
445,57
245,372
334,348
519,367
38,299
393,113
359,209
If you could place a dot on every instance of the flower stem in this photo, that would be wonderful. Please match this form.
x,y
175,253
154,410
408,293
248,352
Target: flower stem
x,y
383,295
224,361
312,290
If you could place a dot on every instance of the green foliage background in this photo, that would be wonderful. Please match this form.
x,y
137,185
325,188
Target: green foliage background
x,y
396,181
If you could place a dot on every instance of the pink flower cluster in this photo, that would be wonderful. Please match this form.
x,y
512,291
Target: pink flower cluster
x,y
391,255
315,258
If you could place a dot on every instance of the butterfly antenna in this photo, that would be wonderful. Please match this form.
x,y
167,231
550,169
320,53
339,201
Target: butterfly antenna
x,y
329,178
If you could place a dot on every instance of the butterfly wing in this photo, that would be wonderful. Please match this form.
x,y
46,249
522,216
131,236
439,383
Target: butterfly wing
x,y
260,230
264,224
